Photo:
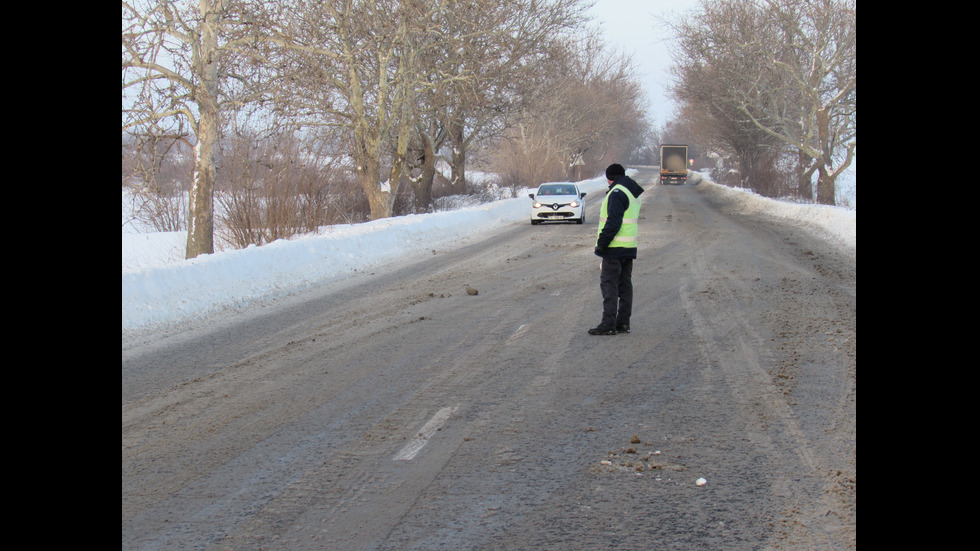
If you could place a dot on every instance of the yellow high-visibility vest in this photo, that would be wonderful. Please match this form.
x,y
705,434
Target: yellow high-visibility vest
x,y
629,231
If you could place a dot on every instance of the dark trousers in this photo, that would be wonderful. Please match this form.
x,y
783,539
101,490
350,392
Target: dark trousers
x,y
616,284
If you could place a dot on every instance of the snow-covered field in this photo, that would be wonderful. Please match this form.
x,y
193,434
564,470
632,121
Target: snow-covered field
x,y
160,288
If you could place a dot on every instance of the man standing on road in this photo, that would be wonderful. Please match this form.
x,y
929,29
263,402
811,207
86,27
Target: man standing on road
x,y
616,243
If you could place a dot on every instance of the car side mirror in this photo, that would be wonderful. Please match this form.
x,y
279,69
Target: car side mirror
x,y
531,195
582,195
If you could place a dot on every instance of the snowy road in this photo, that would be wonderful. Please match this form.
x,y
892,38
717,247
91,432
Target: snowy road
x,y
399,412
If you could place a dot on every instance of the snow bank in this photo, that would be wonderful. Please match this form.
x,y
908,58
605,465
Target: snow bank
x,y
837,224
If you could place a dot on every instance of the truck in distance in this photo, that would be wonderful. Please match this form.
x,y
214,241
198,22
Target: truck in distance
x,y
673,163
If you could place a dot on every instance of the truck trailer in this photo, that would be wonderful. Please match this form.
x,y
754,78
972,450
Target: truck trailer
x,y
673,163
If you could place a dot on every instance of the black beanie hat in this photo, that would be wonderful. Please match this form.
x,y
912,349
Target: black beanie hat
x,y
614,171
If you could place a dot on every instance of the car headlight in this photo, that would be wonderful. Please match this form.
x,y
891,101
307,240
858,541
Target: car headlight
x,y
573,204
537,204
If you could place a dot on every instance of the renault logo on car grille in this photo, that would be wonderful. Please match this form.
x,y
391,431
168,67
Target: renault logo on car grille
x,y
554,207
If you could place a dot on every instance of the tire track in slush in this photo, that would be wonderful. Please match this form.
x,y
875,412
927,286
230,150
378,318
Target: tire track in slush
x,y
730,343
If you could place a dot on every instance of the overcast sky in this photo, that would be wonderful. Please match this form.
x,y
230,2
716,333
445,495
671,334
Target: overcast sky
x,y
634,26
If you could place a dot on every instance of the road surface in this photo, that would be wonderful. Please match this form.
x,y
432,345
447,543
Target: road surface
x,y
398,411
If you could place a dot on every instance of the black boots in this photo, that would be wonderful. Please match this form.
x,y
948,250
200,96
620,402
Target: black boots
x,y
609,330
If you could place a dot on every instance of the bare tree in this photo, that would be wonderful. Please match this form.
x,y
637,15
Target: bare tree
x,y
588,109
506,61
709,68
776,73
819,66
601,106
407,76
181,66
358,70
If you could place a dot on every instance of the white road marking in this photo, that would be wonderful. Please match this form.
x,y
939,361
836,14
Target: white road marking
x,y
518,334
421,439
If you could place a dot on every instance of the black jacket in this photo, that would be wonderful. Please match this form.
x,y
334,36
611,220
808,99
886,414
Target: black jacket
x,y
617,205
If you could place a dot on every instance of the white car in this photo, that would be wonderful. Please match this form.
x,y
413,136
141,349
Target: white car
x,y
558,202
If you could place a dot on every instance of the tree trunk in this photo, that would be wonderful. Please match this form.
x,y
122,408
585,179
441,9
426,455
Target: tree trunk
x,y
423,184
804,175
826,186
200,223
748,164
825,178
457,142
379,199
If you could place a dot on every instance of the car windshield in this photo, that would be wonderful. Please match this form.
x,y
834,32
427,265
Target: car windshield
x,y
556,190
